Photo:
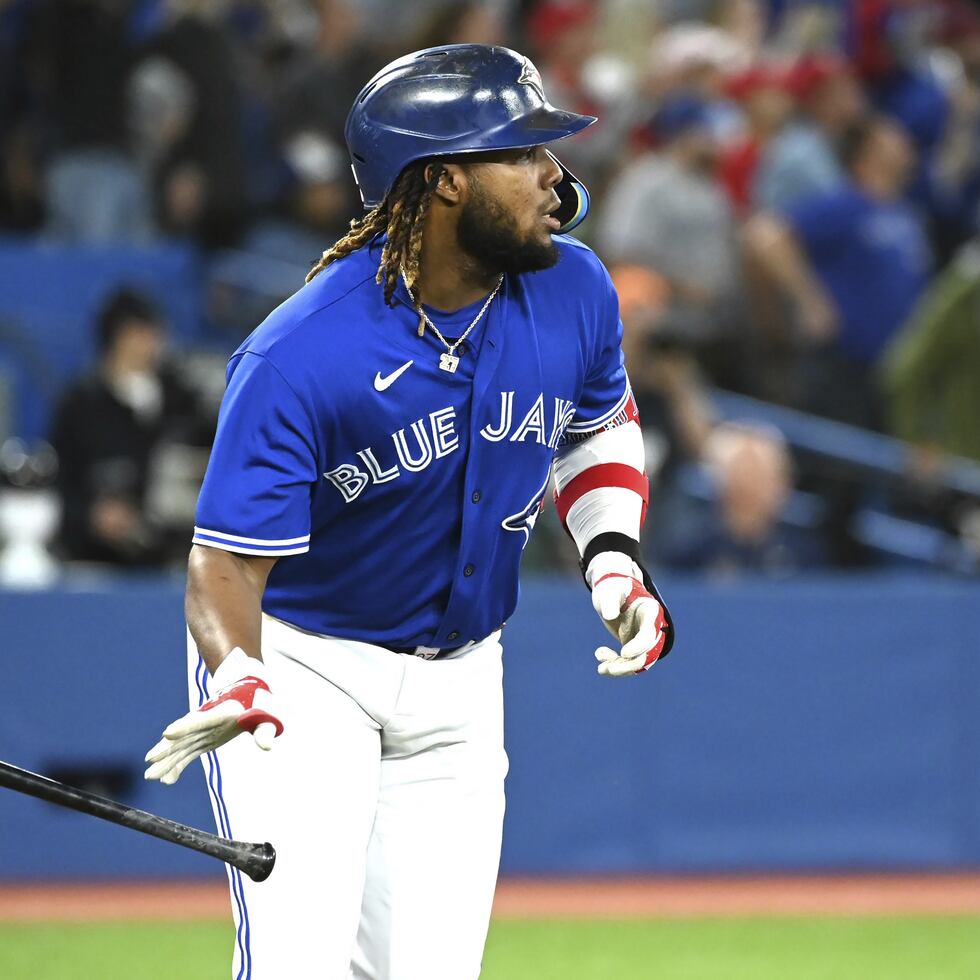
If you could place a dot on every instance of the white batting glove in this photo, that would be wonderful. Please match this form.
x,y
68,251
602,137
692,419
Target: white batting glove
x,y
633,616
243,703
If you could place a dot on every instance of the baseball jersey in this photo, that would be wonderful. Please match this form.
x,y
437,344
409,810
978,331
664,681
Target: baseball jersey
x,y
397,496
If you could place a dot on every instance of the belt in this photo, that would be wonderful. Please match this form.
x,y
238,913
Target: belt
x,y
427,653
434,653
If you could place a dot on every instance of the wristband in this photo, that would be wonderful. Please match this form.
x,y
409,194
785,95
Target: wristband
x,y
234,667
612,541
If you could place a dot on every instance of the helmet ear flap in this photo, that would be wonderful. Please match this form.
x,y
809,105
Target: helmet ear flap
x,y
574,197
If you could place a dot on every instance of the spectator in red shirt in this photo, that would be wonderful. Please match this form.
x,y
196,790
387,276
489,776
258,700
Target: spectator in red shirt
x,y
763,93
802,159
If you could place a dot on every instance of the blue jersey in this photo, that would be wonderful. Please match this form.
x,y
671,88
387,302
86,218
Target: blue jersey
x,y
399,497
872,256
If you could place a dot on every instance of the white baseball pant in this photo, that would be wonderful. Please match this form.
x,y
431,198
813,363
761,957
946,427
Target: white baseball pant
x,y
384,799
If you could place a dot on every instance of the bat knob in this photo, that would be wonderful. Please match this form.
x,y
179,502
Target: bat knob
x,y
261,862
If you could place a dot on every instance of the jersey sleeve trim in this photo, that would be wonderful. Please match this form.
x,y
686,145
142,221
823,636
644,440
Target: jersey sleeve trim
x,y
610,418
251,546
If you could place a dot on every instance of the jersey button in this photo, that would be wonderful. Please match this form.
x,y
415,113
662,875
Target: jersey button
x,y
454,635
468,571
476,496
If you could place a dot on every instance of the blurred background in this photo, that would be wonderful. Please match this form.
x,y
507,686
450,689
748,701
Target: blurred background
x,y
787,194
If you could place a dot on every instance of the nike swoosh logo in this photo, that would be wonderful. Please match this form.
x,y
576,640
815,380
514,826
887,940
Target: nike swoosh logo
x,y
380,384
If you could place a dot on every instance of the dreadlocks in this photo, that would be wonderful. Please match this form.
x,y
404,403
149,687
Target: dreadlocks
x,y
401,214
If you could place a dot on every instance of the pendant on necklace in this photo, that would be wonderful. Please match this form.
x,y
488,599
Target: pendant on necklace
x,y
448,362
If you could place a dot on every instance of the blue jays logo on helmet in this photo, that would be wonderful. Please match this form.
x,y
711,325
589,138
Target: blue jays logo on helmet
x,y
458,98
531,76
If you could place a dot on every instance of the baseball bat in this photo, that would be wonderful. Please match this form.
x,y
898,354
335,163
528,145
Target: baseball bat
x,y
256,860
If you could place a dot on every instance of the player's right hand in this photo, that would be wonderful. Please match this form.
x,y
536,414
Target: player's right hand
x,y
243,703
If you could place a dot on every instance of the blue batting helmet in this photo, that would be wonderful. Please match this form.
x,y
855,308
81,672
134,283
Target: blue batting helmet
x,y
459,98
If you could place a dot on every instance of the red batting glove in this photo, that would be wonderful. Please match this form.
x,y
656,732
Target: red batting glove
x,y
633,616
243,703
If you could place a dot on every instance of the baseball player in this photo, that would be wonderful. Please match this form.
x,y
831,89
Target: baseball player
x,y
386,441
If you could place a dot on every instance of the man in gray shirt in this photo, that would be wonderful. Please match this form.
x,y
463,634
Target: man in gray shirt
x,y
667,212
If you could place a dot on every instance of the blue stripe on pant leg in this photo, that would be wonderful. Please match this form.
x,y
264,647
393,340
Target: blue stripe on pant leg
x,y
237,875
224,825
220,813
237,889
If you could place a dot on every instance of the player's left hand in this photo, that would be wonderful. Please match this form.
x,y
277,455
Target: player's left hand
x,y
633,616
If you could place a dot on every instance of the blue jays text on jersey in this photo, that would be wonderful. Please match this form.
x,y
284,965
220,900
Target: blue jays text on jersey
x,y
397,496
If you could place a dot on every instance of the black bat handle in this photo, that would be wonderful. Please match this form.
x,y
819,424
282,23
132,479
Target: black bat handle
x,y
256,860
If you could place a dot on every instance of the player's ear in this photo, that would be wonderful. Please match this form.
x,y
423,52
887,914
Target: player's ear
x,y
452,182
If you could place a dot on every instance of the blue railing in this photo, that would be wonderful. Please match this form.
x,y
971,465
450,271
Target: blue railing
x,y
860,448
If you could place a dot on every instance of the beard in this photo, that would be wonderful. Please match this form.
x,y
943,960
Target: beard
x,y
489,234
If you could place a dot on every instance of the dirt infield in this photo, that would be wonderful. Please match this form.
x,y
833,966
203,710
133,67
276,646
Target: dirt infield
x,y
603,898
738,896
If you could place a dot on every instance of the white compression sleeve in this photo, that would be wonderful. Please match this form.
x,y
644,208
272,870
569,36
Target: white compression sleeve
x,y
605,508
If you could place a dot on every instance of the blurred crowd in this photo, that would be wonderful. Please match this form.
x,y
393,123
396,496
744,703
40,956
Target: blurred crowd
x,y
786,192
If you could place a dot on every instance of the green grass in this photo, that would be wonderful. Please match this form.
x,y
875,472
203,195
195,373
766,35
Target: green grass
x,y
731,949
737,949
